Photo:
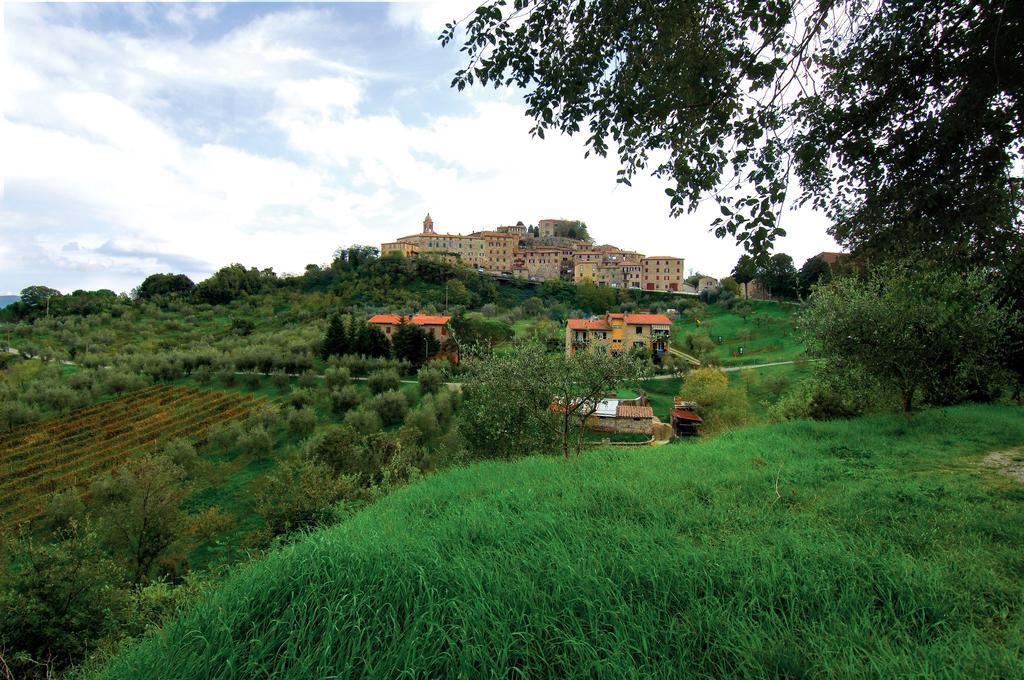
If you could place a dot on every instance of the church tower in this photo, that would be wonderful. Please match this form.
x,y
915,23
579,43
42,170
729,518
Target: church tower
x,y
428,225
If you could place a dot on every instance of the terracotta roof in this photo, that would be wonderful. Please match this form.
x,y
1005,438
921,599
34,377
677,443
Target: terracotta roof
x,y
589,325
648,319
427,320
633,411
418,319
686,415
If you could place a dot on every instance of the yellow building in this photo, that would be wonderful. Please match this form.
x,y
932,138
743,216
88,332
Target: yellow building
x,y
662,273
400,247
617,333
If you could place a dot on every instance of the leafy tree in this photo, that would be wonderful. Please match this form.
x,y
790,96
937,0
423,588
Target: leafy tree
x,y
457,293
411,343
527,400
59,599
301,493
730,284
595,299
384,380
391,406
815,270
233,281
38,298
901,119
719,404
745,271
368,340
779,276
430,379
138,511
928,331
163,284
336,341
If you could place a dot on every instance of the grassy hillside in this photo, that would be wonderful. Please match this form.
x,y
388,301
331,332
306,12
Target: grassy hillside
x,y
872,547
766,334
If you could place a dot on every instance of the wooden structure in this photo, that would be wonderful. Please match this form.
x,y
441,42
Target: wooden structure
x,y
685,421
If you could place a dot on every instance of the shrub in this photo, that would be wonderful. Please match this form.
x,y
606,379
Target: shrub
x,y
308,379
384,380
424,419
255,441
300,494
301,422
344,399
183,454
224,435
226,377
363,420
390,406
719,404
280,380
250,381
430,380
337,377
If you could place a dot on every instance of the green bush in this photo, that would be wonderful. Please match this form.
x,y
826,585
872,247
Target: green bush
x,y
390,406
301,422
308,379
337,377
183,454
255,442
384,381
281,381
345,399
363,420
430,379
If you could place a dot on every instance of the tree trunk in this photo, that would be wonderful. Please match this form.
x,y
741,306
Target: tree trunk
x,y
907,399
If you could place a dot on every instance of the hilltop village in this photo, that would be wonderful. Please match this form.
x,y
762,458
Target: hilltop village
x,y
554,249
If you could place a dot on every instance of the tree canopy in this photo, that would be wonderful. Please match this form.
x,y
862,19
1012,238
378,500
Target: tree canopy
x,y
904,121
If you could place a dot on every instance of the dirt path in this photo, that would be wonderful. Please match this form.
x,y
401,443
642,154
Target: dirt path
x,y
1009,462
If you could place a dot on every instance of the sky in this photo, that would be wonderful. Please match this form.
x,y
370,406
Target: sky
x,y
143,138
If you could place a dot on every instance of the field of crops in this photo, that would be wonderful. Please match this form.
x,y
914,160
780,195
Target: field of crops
x,y
41,458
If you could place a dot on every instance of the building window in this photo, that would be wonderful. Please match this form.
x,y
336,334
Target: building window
x,y
639,330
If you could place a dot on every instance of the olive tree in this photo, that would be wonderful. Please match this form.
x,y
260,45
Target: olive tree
x,y
526,400
914,332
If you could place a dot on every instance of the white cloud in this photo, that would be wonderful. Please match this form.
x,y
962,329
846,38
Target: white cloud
x,y
109,144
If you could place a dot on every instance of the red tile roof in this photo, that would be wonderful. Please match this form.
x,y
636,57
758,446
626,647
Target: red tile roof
x,y
427,320
648,319
633,411
589,325
417,319
686,415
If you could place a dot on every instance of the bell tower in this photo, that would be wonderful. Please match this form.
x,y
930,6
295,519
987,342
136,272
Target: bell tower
x,y
428,225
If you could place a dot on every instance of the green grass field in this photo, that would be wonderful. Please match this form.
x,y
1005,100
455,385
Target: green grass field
x,y
766,335
877,547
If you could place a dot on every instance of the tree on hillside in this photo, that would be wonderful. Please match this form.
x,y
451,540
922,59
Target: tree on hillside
x,y
138,511
574,229
38,298
903,120
413,344
163,284
815,270
718,403
59,598
233,281
779,276
336,340
527,400
745,271
920,333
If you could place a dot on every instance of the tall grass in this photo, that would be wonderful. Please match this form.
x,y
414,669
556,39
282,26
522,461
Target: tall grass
x,y
875,547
